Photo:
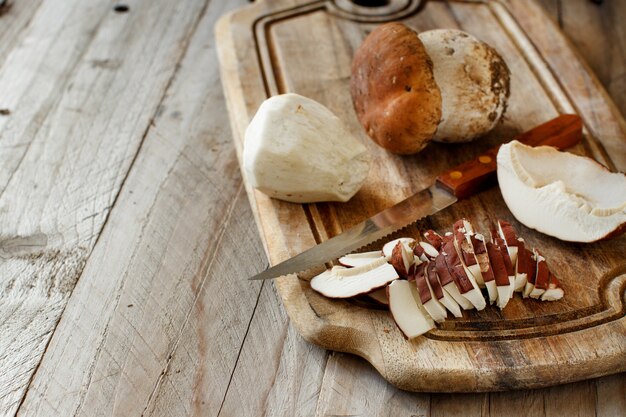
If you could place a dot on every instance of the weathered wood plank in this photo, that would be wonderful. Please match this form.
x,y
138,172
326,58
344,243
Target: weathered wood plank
x,y
597,32
82,90
353,387
278,373
458,405
14,18
166,337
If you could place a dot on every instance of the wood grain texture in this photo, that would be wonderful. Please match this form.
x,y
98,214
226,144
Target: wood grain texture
x,y
595,29
159,287
244,357
488,350
82,90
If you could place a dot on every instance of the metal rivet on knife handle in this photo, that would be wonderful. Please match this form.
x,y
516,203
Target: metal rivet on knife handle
x,y
476,175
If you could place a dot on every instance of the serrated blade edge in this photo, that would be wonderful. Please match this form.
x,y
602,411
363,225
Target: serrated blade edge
x,y
424,203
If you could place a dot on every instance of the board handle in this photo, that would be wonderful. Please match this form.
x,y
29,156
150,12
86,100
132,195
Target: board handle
x,y
478,174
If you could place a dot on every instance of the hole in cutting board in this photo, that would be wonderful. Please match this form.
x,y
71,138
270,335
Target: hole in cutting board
x,y
371,3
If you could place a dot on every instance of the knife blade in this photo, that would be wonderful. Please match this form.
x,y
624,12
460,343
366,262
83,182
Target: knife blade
x,y
459,182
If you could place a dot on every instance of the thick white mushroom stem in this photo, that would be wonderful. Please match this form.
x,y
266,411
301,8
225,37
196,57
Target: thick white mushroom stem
x,y
297,150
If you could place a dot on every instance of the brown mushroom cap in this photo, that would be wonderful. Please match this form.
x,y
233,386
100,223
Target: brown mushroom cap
x,y
394,91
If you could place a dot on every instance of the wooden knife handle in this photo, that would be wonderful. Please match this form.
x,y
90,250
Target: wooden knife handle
x,y
478,174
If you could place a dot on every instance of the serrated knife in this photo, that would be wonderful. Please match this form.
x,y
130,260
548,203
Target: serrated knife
x,y
459,182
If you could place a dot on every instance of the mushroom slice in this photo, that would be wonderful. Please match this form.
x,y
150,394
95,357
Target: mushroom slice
x,y
388,247
542,277
570,197
434,239
462,232
510,267
439,293
407,310
425,251
463,280
480,252
427,296
503,285
507,233
448,284
522,266
402,258
340,282
554,291
532,271
358,259
379,296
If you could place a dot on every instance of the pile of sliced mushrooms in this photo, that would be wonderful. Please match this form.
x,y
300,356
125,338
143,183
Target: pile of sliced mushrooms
x,y
421,281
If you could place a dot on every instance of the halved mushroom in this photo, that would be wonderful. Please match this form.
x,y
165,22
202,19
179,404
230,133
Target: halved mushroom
x,y
341,282
407,310
570,197
358,259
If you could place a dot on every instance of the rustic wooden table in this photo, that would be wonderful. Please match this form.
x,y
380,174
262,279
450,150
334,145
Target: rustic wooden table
x,y
126,235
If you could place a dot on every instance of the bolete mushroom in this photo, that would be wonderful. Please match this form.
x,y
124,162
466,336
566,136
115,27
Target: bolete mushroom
x,y
444,84
297,150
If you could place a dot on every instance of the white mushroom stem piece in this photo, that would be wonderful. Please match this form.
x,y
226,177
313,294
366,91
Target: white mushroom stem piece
x,y
297,150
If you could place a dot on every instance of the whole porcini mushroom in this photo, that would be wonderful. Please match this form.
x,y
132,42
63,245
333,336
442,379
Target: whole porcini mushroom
x,y
297,150
394,91
443,85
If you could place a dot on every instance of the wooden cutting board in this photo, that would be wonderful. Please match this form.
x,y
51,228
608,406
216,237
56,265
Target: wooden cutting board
x,y
306,47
